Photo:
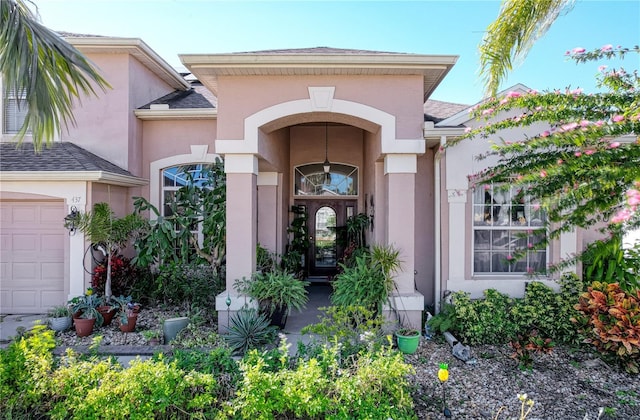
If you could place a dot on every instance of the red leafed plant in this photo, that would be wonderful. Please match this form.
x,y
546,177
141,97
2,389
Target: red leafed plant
x,y
123,275
611,320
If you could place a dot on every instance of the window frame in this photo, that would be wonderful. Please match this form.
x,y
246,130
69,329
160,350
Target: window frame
x,y
12,107
515,215
351,172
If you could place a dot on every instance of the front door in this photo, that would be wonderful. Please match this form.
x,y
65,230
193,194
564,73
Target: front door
x,y
326,220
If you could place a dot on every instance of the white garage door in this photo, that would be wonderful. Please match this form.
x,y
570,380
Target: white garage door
x,y
31,256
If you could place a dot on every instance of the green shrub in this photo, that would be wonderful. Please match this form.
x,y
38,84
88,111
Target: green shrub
x,y
498,319
25,366
607,261
188,285
146,389
355,328
374,387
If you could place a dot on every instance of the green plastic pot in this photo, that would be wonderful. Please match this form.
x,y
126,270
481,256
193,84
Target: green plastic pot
x,y
408,340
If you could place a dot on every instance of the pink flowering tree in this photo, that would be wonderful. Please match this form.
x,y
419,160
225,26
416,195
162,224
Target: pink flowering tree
x,y
584,169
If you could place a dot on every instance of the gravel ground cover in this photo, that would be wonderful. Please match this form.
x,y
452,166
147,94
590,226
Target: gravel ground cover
x,y
563,384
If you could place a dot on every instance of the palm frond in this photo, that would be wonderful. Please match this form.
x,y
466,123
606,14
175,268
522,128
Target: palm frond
x,y
511,36
51,73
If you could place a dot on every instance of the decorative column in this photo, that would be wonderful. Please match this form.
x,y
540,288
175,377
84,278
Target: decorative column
x,y
269,210
400,171
241,171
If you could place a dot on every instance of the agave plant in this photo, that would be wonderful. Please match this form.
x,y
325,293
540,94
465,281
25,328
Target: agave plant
x,y
249,329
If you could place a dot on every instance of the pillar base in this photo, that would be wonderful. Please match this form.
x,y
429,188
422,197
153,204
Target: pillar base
x,y
406,309
225,312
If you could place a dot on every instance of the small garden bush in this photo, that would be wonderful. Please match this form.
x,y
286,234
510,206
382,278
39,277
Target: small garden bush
x,y
499,319
610,319
188,285
268,385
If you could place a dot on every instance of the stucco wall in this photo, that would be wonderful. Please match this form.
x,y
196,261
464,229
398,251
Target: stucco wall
x,y
106,124
424,240
240,97
162,139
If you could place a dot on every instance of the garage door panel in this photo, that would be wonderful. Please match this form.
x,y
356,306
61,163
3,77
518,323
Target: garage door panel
x,y
52,272
24,242
52,298
32,256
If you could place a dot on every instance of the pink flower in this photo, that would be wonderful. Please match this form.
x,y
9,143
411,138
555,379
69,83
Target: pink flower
x,y
487,187
617,118
488,111
607,47
509,257
529,270
545,133
599,123
585,123
622,216
602,68
569,127
560,161
589,152
576,91
614,144
530,245
578,154
467,130
535,206
578,50
504,101
533,91
633,197
513,94
543,173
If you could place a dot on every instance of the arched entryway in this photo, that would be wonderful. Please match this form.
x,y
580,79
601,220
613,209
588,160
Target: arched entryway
x,y
261,182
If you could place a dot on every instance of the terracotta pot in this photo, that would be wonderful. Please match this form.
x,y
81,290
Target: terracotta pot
x,y
84,327
107,313
130,326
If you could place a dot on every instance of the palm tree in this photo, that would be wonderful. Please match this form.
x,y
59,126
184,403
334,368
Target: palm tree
x,y
513,33
36,61
113,233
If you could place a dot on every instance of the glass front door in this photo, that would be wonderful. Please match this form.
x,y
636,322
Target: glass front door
x,y
326,221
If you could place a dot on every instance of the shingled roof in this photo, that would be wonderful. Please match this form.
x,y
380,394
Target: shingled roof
x,y
437,111
61,156
196,97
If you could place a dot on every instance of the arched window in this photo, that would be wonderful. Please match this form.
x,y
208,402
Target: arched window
x,y
311,180
178,176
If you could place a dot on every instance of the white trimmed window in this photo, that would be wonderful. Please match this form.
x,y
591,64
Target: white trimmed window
x,y
504,225
14,112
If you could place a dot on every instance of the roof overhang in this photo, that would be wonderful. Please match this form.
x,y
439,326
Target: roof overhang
x,y
176,114
433,135
208,67
62,176
135,47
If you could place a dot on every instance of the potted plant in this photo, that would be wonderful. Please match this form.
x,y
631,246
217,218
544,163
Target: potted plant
x,y
85,313
152,336
89,318
107,309
408,340
127,313
59,318
277,293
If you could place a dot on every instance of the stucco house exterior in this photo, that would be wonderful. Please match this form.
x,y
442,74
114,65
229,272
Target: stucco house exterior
x,y
275,117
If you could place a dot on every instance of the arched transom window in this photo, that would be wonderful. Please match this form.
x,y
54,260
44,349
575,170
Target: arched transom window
x,y
311,180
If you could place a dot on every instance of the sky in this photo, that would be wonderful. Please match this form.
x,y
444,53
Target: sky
x,y
173,27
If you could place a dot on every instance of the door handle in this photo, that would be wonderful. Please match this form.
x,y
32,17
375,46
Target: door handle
x,y
310,238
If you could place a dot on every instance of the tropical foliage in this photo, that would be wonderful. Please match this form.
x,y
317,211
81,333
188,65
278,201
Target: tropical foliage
x,y
519,24
42,67
583,164
175,237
